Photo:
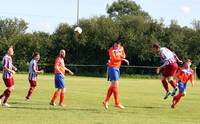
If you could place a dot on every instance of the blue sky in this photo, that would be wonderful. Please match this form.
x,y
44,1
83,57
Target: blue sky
x,y
45,15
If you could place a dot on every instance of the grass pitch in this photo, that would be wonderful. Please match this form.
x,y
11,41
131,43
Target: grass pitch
x,y
143,99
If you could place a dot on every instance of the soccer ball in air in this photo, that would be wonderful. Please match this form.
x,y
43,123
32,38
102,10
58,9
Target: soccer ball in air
x,y
78,30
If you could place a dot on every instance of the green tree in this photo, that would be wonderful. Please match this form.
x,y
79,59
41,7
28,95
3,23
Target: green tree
x,y
125,7
12,27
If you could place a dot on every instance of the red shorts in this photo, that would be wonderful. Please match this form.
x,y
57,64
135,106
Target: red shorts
x,y
33,83
9,82
170,70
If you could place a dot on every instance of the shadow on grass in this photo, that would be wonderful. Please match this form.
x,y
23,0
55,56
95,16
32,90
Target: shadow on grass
x,y
146,107
56,109
24,103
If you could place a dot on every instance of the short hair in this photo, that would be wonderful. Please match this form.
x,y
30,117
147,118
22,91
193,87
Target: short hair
x,y
156,45
185,63
189,60
119,39
36,54
10,47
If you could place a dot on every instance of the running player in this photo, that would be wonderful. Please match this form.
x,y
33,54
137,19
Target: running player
x,y
33,73
59,71
117,55
8,71
169,67
183,75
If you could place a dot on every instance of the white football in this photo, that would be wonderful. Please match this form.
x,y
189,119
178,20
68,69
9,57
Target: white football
x,y
78,30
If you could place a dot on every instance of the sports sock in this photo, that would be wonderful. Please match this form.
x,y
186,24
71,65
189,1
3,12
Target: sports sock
x,y
7,95
3,94
62,95
177,98
116,95
56,93
29,93
109,93
173,84
165,85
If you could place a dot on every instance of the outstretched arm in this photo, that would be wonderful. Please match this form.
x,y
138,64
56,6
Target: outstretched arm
x,y
68,70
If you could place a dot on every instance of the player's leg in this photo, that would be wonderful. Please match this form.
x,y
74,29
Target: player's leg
x,y
111,78
62,95
173,84
56,92
7,93
182,91
53,100
115,85
33,84
172,71
61,86
165,85
109,93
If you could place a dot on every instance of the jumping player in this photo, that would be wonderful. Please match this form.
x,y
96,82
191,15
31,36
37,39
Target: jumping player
x,y
117,55
169,67
33,73
8,71
59,71
183,75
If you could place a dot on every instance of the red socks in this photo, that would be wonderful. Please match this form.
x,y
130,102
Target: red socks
x,y
7,94
177,98
109,93
165,85
173,84
62,94
114,90
116,95
56,93
29,93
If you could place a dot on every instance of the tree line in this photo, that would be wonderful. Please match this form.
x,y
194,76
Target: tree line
x,y
124,17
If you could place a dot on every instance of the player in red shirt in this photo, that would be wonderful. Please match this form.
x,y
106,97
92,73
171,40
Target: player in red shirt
x,y
183,75
8,71
117,55
169,67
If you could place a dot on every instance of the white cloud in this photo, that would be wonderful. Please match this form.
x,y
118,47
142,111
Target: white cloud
x,y
185,9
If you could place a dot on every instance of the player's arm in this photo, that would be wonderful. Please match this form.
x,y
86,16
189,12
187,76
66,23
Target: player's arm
x,y
159,68
125,60
192,78
14,68
5,67
178,60
123,56
9,70
39,71
113,56
68,70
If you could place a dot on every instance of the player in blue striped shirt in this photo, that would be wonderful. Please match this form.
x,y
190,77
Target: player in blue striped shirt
x,y
33,73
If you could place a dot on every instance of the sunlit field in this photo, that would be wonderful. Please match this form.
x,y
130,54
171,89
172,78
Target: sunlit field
x,y
143,99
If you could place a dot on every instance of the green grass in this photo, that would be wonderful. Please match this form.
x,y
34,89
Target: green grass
x,y
143,99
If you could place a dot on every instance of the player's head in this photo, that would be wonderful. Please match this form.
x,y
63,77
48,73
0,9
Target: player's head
x,y
156,47
36,56
62,53
10,51
118,42
188,63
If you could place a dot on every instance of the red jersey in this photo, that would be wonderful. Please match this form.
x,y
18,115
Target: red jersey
x,y
116,56
184,75
59,63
